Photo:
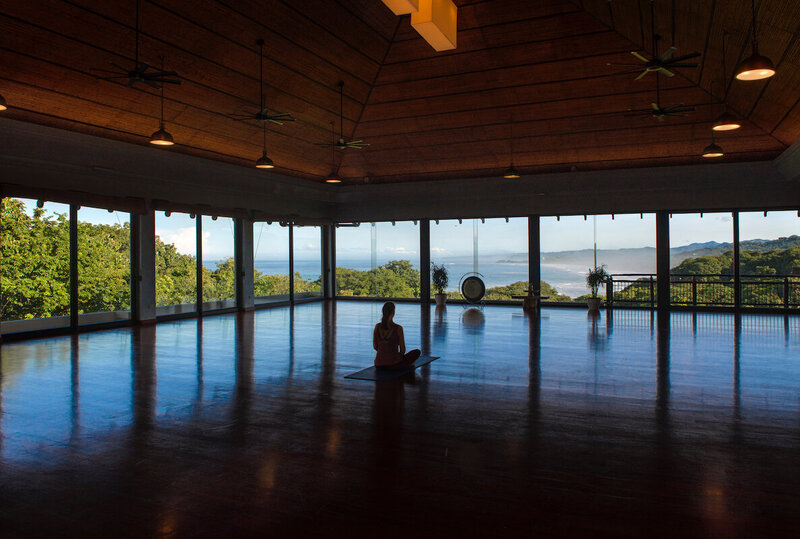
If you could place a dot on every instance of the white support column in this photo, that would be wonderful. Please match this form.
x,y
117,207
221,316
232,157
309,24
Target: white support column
x,y
243,249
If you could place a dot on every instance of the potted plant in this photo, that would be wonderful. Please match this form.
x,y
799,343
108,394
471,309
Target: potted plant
x,y
594,279
440,279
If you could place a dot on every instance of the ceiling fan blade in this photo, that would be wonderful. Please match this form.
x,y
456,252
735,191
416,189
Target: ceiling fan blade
x,y
113,77
151,83
643,73
666,54
655,107
274,121
159,75
99,70
665,71
684,57
119,67
682,65
639,56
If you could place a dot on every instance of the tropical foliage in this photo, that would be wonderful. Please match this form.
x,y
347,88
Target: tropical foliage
x,y
35,276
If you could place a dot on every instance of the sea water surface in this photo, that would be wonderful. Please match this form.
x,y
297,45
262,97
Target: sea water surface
x,y
568,279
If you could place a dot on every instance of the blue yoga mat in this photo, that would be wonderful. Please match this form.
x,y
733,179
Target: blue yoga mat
x,y
384,375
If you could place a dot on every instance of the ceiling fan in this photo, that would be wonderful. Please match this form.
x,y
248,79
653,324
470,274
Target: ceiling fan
x,y
141,72
342,143
264,114
334,177
659,112
665,62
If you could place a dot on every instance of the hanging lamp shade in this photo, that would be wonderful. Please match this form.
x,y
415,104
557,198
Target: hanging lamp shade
x,y
756,67
3,104
511,173
161,137
264,161
726,122
713,150
402,7
333,177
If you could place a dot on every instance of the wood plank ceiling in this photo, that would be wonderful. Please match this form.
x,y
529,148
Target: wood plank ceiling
x,y
528,76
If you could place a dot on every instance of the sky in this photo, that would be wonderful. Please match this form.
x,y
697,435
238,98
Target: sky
x,y
450,238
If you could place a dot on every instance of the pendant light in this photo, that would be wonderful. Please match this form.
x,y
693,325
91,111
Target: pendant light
x,y
727,121
264,161
162,136
333,177
756,67
713,150
3,104
511,172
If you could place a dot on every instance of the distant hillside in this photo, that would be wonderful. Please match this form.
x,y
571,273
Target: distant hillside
x,y
642,259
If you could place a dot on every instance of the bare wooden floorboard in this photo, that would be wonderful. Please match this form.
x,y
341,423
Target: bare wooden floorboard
x,y
622,425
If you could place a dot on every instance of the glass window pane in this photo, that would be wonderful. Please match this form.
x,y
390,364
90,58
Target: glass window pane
x,y
307,262
626,246
397,258
104,266
452,245
219,271
176,263
769,258
34,246
701,258
271,262
503,257
567,254
355,272
378,260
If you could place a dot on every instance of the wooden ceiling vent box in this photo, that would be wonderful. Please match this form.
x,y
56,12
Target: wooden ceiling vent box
x,y
436,21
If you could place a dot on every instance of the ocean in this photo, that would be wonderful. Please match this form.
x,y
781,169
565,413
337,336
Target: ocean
x,y
566,278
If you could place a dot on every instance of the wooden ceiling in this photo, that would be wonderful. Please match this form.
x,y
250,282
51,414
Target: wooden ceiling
x,y
536,68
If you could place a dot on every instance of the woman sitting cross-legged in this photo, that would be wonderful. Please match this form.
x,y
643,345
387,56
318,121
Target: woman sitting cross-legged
x,y
388,341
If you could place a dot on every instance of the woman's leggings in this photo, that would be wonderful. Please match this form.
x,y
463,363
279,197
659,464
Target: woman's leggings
x,y
408,359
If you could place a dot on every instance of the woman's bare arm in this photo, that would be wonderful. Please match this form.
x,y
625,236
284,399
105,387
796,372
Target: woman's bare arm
x,y
375,338
401,340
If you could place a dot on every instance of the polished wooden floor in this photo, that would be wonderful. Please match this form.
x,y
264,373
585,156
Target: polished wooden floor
x,y
562,425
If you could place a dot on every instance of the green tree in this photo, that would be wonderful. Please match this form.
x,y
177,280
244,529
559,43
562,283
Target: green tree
x,y
34,263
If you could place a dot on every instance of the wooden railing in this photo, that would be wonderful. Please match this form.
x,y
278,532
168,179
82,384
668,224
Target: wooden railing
x,y
639,289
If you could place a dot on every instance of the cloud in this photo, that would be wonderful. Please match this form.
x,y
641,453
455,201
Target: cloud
x,y
399,250
308,247
438,250
184,239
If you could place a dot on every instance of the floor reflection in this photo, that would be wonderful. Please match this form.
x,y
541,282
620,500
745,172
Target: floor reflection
x,y
242,423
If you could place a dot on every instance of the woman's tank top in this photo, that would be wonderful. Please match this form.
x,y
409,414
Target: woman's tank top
x,y
388,344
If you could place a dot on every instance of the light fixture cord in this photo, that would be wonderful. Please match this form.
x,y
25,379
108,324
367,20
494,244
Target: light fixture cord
x,y
264,125
755,39
261,73
512,141
333,147
162,92
137,34
710,108
653,28
724,70
341,109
